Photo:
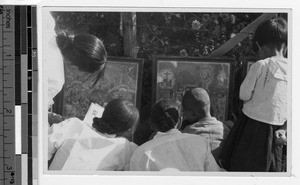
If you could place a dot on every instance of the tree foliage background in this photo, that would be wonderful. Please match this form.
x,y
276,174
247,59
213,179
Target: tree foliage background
x,y
166,33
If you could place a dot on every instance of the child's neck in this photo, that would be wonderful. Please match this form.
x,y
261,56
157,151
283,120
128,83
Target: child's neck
x,y
271,52
276,53
207,115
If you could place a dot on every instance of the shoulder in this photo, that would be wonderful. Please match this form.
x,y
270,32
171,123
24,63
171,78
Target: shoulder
x,y
157,142
194,128
191,126
186,129
75,122
140,152
194,137
131,145
260,63
219,123
269,61
71,122
124,143
279,63
129,148
257,68
147,145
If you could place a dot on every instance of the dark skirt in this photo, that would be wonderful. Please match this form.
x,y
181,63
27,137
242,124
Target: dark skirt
x,y
250,146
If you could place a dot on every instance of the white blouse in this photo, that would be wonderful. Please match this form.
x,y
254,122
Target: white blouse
x,y
79,147
264,91
53,64
174,151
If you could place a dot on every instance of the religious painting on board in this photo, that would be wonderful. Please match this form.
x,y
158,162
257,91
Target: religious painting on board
x,y
173,76
122,79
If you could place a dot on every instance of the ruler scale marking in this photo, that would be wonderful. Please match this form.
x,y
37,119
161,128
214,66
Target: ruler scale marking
x,y
18,94
8,94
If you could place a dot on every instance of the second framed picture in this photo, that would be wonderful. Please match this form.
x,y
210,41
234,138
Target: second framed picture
x,y
173,76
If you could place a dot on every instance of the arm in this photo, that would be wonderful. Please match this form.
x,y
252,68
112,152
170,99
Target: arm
x,y
52,59
280,135
131,149
138,161
249,82
134,164
210,163
56,137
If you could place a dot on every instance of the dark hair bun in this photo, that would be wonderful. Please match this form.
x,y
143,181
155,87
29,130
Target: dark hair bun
x,y
165,115
64,41
119,116
86,51
100,125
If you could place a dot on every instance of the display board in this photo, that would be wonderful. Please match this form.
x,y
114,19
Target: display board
x,y
122,79
173,76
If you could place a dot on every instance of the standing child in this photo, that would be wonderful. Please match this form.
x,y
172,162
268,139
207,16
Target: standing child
x,y
255,143
78,147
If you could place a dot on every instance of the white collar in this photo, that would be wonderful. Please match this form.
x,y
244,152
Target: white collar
x,y
173,131
104,134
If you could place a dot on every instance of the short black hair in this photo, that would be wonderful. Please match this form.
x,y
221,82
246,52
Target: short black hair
x,y
196,100
273,31
165,115
119,116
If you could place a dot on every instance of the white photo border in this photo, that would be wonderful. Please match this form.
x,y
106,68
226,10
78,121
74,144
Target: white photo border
x,y
145,177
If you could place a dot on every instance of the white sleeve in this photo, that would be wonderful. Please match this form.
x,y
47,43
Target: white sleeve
x,y
56,136
248,85
131,149
135,161
210,163
52,59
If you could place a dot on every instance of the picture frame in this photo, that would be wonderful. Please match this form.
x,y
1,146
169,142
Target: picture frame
x,y
112,86
181,74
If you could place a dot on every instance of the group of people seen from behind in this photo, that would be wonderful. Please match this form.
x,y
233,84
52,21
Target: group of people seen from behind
x,y
255,142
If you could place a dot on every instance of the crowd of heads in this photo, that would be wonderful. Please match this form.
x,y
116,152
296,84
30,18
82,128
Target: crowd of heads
x,y
88,53
121,116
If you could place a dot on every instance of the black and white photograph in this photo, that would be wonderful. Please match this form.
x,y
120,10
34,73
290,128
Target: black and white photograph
x,y
168,91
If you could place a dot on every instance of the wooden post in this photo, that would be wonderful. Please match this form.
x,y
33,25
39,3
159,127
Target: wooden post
x,y
227,46
129,34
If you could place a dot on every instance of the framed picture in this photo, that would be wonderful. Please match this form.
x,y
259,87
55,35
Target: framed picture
x,y
173,76
122,79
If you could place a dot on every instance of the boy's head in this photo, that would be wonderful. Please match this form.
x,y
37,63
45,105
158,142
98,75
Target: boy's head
x,y
272,34
165,115
196,104
119,117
